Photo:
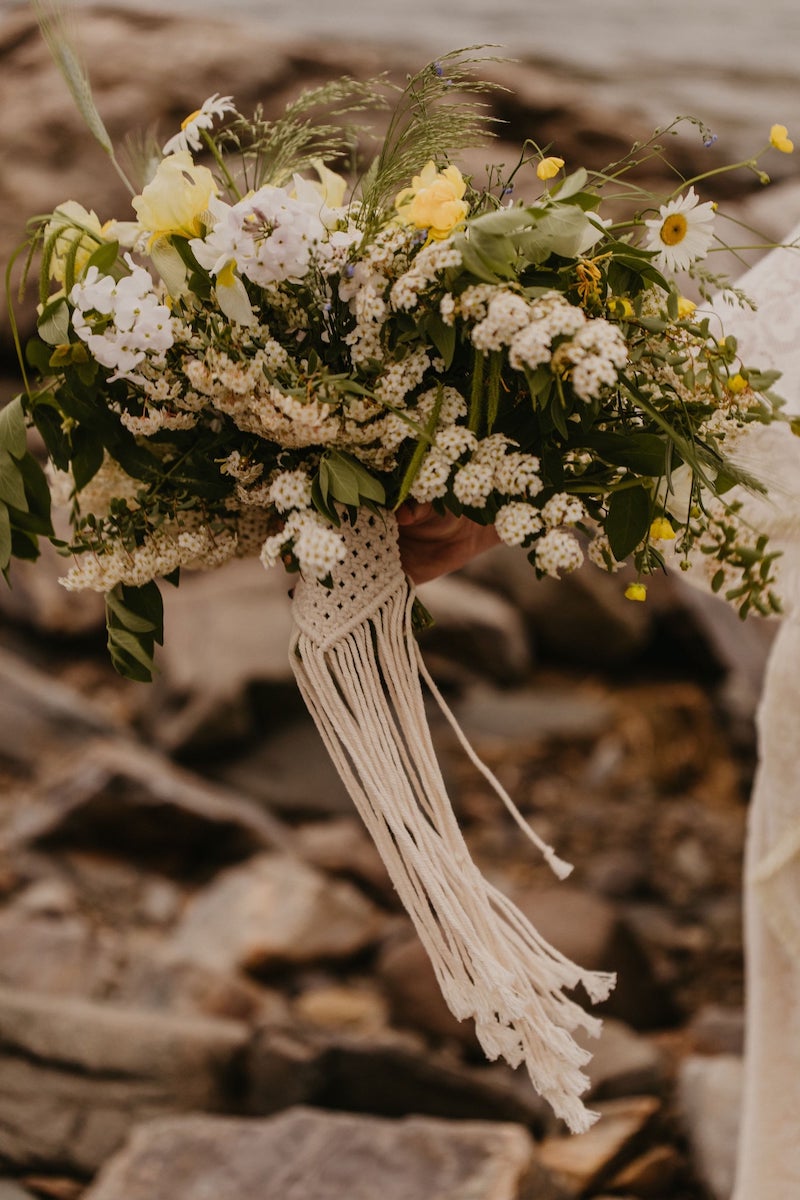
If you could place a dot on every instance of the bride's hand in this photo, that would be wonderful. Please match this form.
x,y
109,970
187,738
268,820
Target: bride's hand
x,y
432,545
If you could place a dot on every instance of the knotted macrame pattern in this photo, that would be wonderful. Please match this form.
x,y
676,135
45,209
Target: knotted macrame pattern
x,y
359,670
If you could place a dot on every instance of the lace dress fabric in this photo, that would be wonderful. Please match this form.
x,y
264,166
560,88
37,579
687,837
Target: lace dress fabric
x,y
769,1145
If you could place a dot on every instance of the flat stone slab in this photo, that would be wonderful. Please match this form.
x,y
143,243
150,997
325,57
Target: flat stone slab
x,y
305,1154
77,1076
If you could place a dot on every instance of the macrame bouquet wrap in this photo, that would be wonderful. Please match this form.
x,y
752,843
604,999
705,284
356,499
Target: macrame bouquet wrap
x,y
359,670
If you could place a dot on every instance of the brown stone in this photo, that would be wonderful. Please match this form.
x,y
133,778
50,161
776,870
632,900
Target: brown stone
x,y
585,1161
274,910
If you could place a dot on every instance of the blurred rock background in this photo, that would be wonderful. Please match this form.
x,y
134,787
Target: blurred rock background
x,y
207,986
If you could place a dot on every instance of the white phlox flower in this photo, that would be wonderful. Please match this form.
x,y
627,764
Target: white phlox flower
x,y
681,233
140,327
215,106
270,237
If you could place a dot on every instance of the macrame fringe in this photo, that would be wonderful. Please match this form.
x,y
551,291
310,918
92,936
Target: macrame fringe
x,y
358,668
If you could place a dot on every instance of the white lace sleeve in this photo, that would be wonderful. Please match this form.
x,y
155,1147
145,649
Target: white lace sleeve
x,y
769,337
769,1145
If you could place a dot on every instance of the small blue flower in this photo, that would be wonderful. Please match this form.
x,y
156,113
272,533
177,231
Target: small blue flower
x,y
349,270
438,69
709,141
507,190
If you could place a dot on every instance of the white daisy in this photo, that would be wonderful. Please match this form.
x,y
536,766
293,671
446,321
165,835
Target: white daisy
x,y
202,118
681,233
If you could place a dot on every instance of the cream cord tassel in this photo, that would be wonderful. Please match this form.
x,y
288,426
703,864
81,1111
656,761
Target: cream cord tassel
x,y
358,667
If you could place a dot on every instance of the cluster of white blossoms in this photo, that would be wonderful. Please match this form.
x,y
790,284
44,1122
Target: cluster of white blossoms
x,y
364,287
161,553
431,262
517,522
596,354
270,236
290,489
558,552
310,540
475,470
122,322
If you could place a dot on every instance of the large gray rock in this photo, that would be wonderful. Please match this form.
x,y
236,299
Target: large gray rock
x,y
274,910
78,1076
124,799
710,1091
304,1155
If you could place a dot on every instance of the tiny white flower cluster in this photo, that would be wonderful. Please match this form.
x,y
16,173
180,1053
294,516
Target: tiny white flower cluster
x,y
517,522
558,551
307,538
160,554
431,262
131,322
597,353
290,489
155,419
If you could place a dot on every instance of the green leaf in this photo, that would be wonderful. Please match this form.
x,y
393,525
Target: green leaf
x,y
87,456
340,481
570,186
644,453
628,521
126,617
53,324
443,337
130,645
12,428
319,498
5,538
412,470
12,488
104,258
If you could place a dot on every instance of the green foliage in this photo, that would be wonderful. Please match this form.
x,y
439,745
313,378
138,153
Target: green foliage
x,y
135,625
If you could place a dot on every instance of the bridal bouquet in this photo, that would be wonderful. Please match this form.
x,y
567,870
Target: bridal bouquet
x,y
271,358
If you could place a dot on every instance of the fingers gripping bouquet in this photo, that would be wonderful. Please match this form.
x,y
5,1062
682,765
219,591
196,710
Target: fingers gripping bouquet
x,y
268,362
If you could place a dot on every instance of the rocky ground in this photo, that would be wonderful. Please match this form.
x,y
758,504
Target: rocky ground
x,y
207,986
201,956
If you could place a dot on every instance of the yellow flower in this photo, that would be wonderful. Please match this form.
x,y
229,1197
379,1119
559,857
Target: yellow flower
x,y
434,201
661,530
685,308
636,591
175,202
548,168
621,308
737,383
779,138
71,223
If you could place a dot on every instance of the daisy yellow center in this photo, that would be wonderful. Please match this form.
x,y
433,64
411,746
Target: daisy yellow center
x,y
673,231
191,117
